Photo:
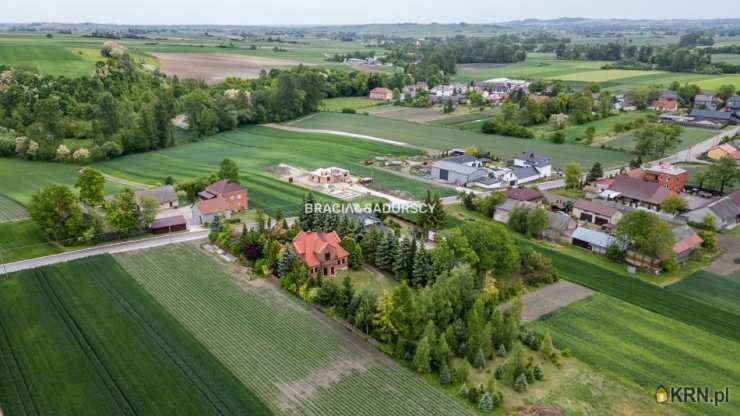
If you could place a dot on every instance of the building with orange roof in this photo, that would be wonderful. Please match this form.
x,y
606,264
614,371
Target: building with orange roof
x,y
321,252
722,150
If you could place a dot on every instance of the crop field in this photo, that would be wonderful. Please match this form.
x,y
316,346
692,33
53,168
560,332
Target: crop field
x,y
81,338
255,149
545,66
340,103
720,291
440,138
730,58
689,137
295,359
646,295
11,210
646,348
416,115
21,178
604,126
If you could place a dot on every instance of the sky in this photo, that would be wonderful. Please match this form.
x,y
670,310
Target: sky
x,y
301,12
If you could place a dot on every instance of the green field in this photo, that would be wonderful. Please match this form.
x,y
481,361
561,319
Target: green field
x,y
643,294
24,240
720,291
255,149
545,66
11,210
340,103
730,58
689,137
646,348
365,281
82,338
295,359
440,138
21,178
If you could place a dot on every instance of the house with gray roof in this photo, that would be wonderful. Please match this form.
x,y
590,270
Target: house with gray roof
x,y
726,211
530,166
166,195
719,117
459,170
706,101
593,240
733,104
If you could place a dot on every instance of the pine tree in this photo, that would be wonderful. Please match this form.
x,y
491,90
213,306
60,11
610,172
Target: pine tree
x,y
399,260
444,374
480,359
442,352
308,214
382,251
422,356
285,264
546,347
486,403
410,257
422,268
463,391
520,384
501,352
538,373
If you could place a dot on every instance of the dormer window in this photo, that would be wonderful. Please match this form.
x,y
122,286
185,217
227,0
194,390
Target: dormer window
x,y
327,256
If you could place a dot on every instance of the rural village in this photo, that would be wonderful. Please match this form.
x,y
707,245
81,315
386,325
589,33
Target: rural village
x,y
526,218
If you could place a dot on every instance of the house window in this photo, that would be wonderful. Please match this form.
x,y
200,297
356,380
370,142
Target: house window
x,y
332,270
326,271
327,256
239,197
232,197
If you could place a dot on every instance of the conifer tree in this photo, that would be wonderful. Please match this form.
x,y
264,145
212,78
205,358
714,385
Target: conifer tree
x,y
422,356
486,403
444,374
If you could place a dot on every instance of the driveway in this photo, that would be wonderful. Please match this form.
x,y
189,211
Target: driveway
x,y
195,233
725,264
550,298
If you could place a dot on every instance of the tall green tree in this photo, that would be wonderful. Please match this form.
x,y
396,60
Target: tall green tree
x,y
90,182
228,169
573,175
432,215
122,212
56,210
646,233
723,173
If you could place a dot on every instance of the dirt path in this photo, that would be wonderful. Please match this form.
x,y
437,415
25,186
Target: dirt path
x,y
343,133
551,298
725,264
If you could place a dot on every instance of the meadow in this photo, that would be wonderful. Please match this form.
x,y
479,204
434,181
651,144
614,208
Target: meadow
x,y
295,359
694,169
440,138
720,291
21,178
649,349
255,149
690,136
82,338
10,210
23,240
340,103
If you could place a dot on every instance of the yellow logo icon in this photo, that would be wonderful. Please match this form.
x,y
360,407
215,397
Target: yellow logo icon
x,y
661,395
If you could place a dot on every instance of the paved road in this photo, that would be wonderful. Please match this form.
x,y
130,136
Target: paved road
x,y
725,264
194,234
690,154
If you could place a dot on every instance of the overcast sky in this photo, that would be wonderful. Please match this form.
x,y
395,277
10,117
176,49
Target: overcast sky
x,y
267,12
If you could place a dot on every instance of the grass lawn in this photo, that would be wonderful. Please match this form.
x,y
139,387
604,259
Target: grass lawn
x,y
280,348
82,338
440,138
24,240
720,291
255,149
730,58
716,82
369,281
355,103
689,137
21,178
639,346
603,127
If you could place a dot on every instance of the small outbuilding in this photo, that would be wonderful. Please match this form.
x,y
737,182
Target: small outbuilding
x,y
169,225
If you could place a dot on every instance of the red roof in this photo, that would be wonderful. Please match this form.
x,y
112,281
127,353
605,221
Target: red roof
x,y
309,245
210,206
640,190
224,186
524,194
687,244
636,173
665,103
727,148
736,155
735,197
380,90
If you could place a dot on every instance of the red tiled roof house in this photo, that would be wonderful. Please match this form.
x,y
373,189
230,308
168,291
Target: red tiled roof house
x,y
321,252
219,198
381,93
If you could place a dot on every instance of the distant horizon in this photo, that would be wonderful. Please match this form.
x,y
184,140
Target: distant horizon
x,y
340,12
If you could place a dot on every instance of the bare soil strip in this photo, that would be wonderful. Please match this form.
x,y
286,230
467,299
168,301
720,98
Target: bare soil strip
x,y
214,67
550,298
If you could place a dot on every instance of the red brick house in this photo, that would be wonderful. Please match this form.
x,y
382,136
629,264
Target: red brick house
x,y
381,93
233,194
321,252
670,176
664,104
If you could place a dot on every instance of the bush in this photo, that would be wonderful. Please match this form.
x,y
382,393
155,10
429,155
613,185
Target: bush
x,y
463,391
538,373
349,111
